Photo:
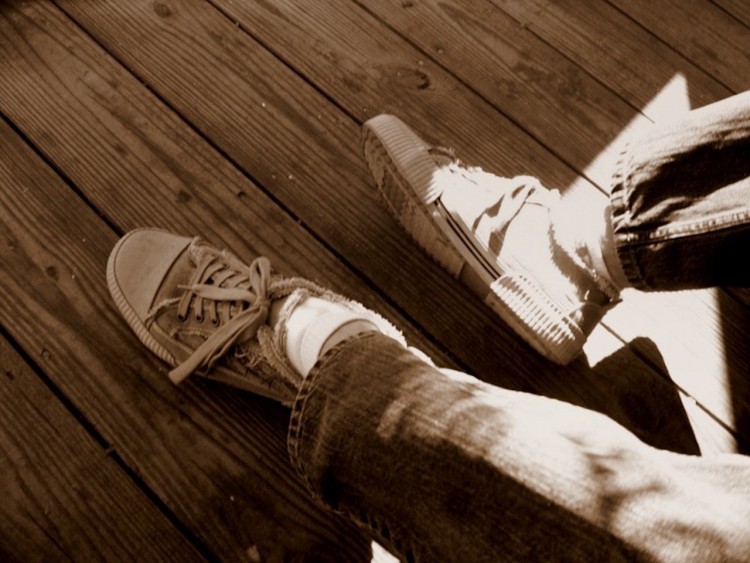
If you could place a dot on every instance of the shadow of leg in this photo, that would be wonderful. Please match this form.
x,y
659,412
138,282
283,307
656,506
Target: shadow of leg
x,y
735,319
635,394
648,402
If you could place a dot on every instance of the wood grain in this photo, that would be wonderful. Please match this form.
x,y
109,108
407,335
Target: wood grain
x,y
700,370
362,47
552,98
239,121
64,497
700,31
705,356
625,57
140,165
737,8
485,345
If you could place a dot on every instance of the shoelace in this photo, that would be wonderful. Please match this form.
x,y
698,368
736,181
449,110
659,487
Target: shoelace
x,y
510,200
507,202
500,212
507,206
233,287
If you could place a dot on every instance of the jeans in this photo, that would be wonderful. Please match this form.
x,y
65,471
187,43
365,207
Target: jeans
x,y
681,200
443,467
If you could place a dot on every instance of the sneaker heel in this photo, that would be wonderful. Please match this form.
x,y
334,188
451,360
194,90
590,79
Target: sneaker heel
x,y
408,198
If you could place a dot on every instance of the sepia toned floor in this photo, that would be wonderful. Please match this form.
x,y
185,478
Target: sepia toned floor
x,y
239,121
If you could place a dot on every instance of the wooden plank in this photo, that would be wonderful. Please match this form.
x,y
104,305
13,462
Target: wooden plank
x,y
64,497
630,382
218,459
525,78
150,154
120,141
362,48
194,417
737,8
700,337
625,57
637,66
700,31
122,147
138,39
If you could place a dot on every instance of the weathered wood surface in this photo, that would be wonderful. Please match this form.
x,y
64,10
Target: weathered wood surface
x,y
326,195
705,357
632,62
64,495
203,453
737,8
700,31
239,121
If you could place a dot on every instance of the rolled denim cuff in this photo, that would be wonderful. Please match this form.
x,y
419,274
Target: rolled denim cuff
x,y
620,215
680,200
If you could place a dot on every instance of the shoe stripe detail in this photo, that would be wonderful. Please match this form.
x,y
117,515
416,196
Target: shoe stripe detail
x,y
536,318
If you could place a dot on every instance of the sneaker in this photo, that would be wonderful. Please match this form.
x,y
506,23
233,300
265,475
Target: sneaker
x,y
203,311
495,234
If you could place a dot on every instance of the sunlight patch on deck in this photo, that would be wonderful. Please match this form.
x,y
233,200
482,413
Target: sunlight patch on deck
x,y
686,327
669,103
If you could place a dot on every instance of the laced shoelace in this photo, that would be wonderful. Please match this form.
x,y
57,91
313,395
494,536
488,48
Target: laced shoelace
x,y
507,206
234,297
510,198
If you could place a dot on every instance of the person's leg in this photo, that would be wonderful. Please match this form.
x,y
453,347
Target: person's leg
x,y
679,217
505,238
443,466
681,200
447,468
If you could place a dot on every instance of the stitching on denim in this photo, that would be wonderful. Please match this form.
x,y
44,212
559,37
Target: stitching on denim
x,y
635,268
629,247
620,188
306,387
382,532
618,167
296,428
694,228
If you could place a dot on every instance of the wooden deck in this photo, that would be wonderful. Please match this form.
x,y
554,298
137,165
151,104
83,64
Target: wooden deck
x,y
239,121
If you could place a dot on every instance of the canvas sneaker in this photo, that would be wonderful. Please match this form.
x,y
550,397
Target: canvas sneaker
x,y
498,235
203,311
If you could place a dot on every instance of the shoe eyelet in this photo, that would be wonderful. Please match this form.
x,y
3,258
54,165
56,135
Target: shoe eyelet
x,y
199,318
181,318
215,322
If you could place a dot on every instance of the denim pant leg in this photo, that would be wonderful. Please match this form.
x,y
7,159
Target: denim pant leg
x,y
681,200
444,467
